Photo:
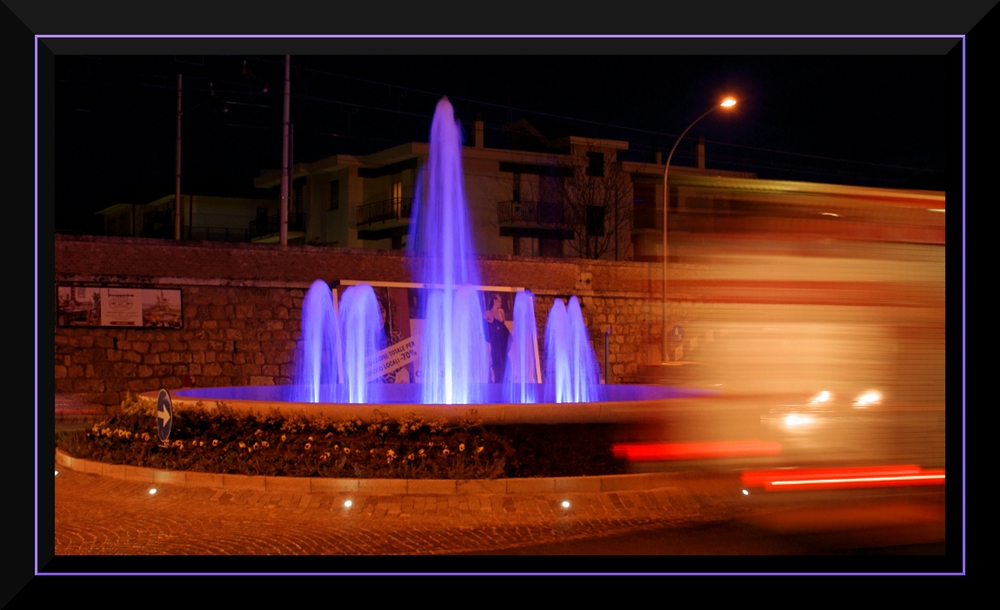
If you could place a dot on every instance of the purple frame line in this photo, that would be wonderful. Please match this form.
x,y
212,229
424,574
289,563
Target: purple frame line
x,y
502,36
36,303
961,37
497,574
963,307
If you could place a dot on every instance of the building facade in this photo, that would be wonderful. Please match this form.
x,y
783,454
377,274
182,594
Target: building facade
x,y
204,217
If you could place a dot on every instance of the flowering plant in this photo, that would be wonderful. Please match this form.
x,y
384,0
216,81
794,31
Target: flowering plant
x,y
221,440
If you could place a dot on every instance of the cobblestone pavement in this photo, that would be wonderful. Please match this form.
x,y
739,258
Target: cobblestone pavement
x,y
98,515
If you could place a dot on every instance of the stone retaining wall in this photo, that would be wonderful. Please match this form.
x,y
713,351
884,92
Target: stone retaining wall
x,y
767,315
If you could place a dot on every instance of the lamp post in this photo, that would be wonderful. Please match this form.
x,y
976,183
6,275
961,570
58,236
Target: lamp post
x,y
177,166
726,103
286,171
177,159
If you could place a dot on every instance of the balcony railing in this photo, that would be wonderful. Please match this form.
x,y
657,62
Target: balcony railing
x,y
272,225
217,234
532,212
159,223
383,211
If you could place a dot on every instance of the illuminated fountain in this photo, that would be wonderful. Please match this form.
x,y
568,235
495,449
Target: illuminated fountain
x,y
572,373
523,373
340,341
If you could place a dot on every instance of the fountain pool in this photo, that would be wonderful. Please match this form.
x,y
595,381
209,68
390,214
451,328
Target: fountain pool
x,y
335,377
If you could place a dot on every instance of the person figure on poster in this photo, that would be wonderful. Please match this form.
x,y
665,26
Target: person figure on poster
x,y
497,335
392,337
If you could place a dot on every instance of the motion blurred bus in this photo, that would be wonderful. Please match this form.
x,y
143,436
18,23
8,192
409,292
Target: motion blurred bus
x,y
794,288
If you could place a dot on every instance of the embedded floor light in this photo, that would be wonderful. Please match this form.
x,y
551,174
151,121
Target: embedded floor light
x,y
152,491
348,503
565,503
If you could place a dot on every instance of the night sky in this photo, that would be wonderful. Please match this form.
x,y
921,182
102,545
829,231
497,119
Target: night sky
x,y
874,120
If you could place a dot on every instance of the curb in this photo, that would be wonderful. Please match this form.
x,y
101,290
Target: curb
x,y
445,487
79,415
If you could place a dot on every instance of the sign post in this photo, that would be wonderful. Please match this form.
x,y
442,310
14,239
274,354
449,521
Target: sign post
x,y
164,417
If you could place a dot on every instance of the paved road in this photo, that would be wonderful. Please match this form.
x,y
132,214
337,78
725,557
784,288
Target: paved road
x,y
879,522
103,516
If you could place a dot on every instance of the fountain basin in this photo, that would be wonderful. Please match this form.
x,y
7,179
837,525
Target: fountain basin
x,y
618,403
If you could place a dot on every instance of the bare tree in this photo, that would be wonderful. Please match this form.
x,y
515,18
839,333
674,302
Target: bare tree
x,y
597,203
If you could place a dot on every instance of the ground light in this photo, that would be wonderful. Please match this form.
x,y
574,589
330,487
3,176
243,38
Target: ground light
x,y
565,503
152,491
348,503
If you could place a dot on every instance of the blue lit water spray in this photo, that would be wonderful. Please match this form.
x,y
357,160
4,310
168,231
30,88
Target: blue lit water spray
x,y
337,350
454,358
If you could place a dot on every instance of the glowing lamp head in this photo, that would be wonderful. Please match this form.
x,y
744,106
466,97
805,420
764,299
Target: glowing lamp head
x,y
728,102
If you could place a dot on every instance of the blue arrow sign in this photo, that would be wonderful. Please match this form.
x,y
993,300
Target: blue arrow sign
x,y
164,415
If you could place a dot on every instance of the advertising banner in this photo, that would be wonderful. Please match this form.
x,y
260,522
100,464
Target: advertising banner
x,y
121,306
118,307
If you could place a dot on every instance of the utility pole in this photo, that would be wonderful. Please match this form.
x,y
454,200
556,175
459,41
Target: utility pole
x,y
177,173
285,185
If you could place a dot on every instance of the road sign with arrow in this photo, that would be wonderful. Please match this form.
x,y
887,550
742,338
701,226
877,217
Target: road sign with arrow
x,y
164,415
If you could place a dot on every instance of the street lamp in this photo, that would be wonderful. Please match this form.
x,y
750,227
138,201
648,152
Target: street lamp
x,y
726,103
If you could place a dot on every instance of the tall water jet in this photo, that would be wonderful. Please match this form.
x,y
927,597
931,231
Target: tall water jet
x,y
318,366
453,349
362,338
585,373
571,372
523,371
558,381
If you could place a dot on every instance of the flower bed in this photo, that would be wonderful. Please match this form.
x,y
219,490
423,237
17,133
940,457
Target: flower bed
x,y
220,440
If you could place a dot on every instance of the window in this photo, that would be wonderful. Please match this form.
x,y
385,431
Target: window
x,y
335,194
595,164
644,206
595,220
396,197
298,188
550,247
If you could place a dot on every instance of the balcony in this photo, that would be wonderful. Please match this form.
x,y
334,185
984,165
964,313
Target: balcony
x,y
388,210
387,219
539,219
